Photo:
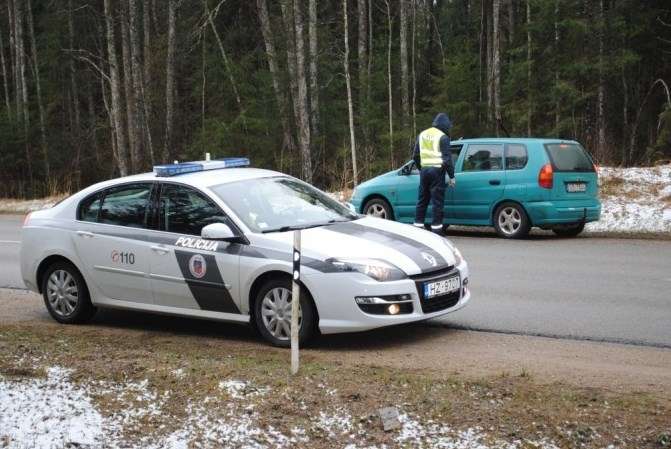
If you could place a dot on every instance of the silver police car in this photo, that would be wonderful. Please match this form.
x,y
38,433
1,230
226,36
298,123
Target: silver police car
x,y
213,240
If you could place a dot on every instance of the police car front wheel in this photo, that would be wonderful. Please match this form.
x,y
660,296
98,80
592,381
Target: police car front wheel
x,y
66,295
272,313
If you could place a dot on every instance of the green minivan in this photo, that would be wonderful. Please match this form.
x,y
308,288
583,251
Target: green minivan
x,y
509,183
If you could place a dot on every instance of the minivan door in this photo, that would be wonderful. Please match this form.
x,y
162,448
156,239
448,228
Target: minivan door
x,y
111,240
480,181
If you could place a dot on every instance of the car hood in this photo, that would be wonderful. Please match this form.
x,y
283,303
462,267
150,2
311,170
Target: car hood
x,y
411,249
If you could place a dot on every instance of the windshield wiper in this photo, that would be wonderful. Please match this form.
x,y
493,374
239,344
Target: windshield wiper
x,y
306,226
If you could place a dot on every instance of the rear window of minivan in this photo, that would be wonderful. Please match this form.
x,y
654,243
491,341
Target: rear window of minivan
x,y
569,157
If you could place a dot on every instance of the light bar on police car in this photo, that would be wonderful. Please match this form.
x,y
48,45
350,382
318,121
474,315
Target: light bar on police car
x,y
196,166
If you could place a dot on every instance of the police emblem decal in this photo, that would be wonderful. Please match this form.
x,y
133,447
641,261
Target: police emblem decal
x,y
429,258
197,266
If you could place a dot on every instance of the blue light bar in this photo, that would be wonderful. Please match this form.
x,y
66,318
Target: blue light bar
x,y
196,166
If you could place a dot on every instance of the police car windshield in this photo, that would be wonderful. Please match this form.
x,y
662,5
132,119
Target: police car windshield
x,y
280,203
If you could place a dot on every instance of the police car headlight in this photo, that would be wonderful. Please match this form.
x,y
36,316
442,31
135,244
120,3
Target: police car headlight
x,y
376,269
458,258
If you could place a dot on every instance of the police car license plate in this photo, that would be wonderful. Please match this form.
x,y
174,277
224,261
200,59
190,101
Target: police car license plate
x,y
442,287
573,187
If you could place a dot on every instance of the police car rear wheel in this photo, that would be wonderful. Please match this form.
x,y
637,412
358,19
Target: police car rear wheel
x,y
377,207
66,295
511,221
272,313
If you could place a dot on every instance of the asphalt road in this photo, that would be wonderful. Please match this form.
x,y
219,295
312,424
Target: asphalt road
x,y
603,289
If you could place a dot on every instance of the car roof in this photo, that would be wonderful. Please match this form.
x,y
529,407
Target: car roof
x,y
512,140
201,179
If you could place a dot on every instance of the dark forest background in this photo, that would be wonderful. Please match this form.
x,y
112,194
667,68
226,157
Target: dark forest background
x,y
93,89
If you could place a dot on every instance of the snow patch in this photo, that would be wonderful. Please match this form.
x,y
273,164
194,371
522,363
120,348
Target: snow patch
x,y
46,413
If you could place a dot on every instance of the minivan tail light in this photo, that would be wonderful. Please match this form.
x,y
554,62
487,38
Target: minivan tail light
x,y
545,177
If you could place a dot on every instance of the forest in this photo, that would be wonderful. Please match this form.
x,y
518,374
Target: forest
x,y
330,91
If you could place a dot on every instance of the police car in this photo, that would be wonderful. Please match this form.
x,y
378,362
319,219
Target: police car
x,y
213,240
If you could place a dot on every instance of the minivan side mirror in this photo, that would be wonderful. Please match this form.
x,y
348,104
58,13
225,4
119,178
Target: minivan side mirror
x,y
407,168
219,231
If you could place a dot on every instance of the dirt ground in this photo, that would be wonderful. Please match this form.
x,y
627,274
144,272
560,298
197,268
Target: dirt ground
x,y
616,367
511,388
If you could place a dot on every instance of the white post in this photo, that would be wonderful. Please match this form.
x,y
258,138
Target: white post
x,y
207,156
295,300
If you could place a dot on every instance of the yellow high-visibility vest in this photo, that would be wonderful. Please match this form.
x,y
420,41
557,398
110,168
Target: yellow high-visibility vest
x,y
429,147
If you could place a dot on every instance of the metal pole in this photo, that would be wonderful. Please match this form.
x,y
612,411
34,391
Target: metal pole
x,y
295,300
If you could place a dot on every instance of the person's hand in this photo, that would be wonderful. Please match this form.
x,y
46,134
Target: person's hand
x,y
452,182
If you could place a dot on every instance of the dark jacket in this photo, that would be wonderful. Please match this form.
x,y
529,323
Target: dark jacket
x,y
443,123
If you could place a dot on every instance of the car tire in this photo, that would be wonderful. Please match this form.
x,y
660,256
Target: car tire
x,y
66,294
511,221
569,231
378,207
276,291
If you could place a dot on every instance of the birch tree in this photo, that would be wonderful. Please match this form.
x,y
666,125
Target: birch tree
x,y
496,62
303,118
170,81
5,80
314,76
271,55
38,88
390,99
115,88
403,55
601,90
348,84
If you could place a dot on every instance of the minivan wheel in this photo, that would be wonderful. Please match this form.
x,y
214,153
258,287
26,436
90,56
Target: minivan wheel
x,y
272,313
378,207
569,231
511,221
66,295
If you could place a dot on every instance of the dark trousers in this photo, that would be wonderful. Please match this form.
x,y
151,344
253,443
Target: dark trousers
x,y
431,188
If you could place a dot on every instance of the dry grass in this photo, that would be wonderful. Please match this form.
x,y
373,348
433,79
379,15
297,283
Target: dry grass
x,y
506,406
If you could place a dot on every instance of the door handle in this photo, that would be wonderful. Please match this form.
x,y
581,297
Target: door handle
x,y
495,182
160,249
86,234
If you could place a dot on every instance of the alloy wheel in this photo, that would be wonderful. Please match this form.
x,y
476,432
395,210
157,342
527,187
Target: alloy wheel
x,y
62,293
276,313
377,210
510,220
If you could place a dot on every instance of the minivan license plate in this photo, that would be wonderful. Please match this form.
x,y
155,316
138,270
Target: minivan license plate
x,y
573,187
442,287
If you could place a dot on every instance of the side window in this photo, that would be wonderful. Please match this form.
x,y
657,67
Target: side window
x,y
516,156
89,208
126,206
185,211
454,152
483,157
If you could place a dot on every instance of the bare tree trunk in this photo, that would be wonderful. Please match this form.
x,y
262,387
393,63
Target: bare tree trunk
x,y
146,79
390,100
22,84
12,58
115,87
601,120
490,69
170,81
625,116
112,121
412,69
314,78
348,84
361,52
556,50
38,88
141,124
530,106
227,66
482,60
75,92
496,62
5,80
271,55
304,138
403,55
511,21
203,90
130,93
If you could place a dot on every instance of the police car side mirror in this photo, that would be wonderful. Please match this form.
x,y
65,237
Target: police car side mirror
x,y
219,231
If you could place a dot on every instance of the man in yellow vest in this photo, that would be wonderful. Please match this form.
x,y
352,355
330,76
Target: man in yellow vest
x,y
432,156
